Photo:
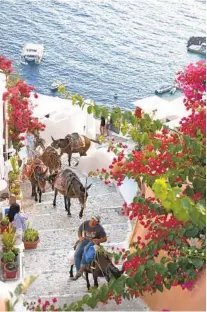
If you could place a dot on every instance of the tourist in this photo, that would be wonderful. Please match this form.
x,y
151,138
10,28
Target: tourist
x,y
109,125
12,199
29,142
18,222
103,125
89,233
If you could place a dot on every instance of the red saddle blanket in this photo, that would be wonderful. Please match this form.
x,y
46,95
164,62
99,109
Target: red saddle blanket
x,y
76,141
30,168
60,183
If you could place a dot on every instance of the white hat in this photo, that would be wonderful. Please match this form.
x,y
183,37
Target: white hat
x,y
97,218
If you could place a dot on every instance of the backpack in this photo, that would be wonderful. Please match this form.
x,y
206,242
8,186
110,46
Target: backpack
x,y
90,254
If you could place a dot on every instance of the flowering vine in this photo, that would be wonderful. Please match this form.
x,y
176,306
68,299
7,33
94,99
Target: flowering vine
x,y
172,163
19,106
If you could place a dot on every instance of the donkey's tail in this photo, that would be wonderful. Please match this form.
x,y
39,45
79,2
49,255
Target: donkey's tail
x,y
95,141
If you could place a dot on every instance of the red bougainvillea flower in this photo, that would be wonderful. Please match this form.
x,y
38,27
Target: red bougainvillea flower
x,y
19,104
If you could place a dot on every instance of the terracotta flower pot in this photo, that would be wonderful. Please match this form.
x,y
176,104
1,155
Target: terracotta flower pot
x,y
31,245
3,228
2,264
11,274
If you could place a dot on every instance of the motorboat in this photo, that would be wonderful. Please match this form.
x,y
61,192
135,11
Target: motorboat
x,y
163,89
197,48
32,53
115,96
55,85
173,90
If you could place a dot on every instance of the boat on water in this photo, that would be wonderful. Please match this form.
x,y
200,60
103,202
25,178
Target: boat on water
x,y
115,96
199,49
173,90
32,53
164,89
55,85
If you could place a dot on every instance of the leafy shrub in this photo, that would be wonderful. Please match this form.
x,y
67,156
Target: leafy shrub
x,y
5,222
8,257
8,239
30,235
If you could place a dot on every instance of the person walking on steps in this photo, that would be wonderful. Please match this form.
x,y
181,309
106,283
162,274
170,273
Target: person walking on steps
x,y
89,233
103,126
29,142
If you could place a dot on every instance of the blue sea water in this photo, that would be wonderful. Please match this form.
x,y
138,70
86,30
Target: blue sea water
x,y
102,47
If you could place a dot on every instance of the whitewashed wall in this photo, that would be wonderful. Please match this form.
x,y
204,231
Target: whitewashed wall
x,y
64,118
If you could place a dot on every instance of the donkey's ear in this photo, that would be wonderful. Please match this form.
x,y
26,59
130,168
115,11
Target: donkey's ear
x,y
82,189
88,186
45,171
52,139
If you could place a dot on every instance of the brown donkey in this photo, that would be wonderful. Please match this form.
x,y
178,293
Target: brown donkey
x,y
51,159
73,143
68,184
102,266
38,180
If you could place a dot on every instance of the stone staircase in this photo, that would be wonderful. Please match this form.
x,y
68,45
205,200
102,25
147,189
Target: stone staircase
x,y
58,233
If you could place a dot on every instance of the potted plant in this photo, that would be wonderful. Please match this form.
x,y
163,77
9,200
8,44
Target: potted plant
x,y
7,257
30,238
8,239
4,225
16,252
10,270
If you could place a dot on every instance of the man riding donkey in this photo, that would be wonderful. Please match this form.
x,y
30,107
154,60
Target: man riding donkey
x,y
90,233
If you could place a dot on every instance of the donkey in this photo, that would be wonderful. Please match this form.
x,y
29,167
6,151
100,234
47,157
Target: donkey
x,y
73,143
51,159
68,184
38,180
102,266
39,142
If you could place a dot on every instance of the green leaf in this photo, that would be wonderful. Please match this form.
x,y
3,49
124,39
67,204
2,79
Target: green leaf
x,y
167,285
131,282
92,302
192,232
178,241
167,204
124,130
160,268
141,269
197,262
172,267
151,274
119,285
97,110
103,293
139,277
144,138
90,109
160,288
136,200
150,263
163,260
85,299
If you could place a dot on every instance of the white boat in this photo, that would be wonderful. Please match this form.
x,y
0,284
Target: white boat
x,y
55,85
32,53
199,49
163,89
173,90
